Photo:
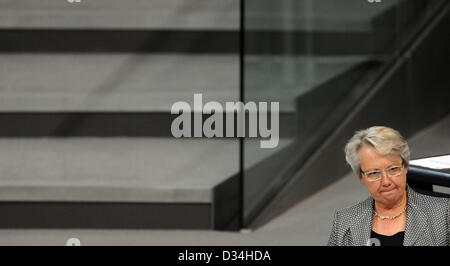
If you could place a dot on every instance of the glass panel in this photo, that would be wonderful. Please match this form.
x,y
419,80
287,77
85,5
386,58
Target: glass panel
x,y
317,58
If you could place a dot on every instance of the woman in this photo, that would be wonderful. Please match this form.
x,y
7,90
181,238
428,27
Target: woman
x,y
394,214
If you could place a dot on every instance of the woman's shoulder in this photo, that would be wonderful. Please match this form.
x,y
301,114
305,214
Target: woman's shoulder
x,y
428,201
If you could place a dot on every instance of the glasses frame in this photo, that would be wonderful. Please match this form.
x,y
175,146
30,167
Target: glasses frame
x,y
382,171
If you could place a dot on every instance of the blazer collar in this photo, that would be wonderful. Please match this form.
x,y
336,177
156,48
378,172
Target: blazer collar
x,y
416,221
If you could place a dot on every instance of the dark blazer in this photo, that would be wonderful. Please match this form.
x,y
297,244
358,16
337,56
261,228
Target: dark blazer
x,y
427,222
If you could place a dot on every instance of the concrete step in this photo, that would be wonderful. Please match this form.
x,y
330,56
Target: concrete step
x,y
115,169
114,82
170,26
119,183
119,14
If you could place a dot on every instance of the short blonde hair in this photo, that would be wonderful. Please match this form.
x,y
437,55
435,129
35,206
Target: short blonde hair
x,y
384,140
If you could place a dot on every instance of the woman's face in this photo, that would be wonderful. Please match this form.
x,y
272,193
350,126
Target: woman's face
x,y
388,190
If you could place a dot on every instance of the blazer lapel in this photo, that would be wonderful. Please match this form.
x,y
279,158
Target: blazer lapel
x,y
416,221
361,226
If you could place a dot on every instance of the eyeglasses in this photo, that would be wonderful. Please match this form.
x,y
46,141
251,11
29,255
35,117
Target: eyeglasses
x,y
392,171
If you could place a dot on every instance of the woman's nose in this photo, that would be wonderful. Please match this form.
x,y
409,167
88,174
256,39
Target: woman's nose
x,y
385,180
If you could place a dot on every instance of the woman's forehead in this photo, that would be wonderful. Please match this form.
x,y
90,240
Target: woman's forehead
x,y
369,157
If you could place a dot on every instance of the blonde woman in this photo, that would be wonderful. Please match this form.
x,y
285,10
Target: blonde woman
x,y
394,214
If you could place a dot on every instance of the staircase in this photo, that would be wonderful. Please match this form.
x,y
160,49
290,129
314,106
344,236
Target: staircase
x,y
85,96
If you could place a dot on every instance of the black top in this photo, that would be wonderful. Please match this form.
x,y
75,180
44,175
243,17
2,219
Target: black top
x,y
394,240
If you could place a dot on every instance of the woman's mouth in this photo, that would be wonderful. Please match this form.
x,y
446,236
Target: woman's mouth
x,y
387,191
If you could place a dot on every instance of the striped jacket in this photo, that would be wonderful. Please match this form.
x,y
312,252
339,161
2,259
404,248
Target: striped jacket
x,y
427,222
